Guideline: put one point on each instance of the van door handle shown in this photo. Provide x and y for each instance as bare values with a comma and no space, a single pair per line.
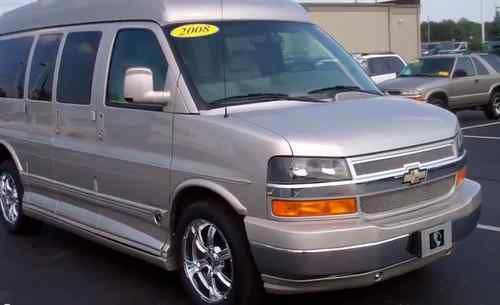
477,80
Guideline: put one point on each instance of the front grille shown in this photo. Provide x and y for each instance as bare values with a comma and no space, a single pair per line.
398,162
408,197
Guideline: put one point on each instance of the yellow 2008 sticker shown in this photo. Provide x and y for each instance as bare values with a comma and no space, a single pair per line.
194,30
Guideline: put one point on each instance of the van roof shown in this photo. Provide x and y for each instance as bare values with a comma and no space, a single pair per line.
53,13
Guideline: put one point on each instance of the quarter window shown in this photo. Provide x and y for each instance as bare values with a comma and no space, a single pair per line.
14,55
464,67
135,48
481,69
493,60
42,67
77,68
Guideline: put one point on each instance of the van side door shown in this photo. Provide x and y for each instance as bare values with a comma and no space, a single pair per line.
136,141
15,52
75,141
41,117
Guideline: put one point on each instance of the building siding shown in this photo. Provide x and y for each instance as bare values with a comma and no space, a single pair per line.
368,28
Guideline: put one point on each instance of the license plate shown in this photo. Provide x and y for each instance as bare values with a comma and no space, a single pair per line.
436,239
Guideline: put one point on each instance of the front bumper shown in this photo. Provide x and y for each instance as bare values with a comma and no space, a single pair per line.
298,257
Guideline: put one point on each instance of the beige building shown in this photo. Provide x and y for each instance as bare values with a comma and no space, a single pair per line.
366,26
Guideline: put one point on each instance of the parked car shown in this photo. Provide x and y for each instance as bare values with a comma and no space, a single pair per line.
453,48
431,48
455,82
233,141
381,66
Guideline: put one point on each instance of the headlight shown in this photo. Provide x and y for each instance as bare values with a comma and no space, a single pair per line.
411,93
459,142
290,170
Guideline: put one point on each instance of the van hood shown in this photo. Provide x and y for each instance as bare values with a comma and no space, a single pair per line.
355,127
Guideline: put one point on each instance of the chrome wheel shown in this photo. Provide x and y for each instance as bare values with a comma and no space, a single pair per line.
9,198
208,262
496,104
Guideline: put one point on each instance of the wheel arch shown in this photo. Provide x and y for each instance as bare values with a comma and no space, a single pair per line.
495,88
191,190
438,93
7,152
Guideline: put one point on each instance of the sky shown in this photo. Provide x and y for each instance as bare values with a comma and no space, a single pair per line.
436,10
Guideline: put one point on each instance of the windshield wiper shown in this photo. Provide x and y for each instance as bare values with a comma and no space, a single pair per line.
336,89
256,97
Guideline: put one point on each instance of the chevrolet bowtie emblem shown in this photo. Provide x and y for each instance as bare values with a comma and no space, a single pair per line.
415,176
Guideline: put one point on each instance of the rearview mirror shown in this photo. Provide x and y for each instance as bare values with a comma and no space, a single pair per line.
139,88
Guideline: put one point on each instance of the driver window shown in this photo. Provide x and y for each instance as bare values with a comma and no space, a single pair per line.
464,68
135,48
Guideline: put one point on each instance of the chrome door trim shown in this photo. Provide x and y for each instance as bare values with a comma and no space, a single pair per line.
155,256
98,199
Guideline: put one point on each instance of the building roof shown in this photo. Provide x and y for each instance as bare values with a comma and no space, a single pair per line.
51,13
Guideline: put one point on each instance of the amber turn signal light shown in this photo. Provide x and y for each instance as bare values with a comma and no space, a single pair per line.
460,177
314,208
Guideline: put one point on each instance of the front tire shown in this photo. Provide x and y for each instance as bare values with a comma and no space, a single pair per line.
216,265
438,102
11,202
492,110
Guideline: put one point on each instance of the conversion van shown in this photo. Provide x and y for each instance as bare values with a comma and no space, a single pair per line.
233,140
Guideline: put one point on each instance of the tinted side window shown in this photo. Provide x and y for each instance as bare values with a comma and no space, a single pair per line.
14,55
42,67
379,66
135,48
77,68
493,60
396,65
481,69
464,67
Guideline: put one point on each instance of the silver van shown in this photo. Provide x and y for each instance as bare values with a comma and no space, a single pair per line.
231,140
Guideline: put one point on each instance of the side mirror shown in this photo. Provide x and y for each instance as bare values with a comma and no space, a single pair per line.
459,74
139,88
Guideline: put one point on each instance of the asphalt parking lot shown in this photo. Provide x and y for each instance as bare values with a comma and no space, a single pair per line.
59,268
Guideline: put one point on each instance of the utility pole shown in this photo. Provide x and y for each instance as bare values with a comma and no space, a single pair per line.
483,29
428,29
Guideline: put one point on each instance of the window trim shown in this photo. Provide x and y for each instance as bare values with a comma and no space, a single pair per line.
130,106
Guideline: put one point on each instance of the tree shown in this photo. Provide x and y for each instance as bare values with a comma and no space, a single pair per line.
450,30
493,29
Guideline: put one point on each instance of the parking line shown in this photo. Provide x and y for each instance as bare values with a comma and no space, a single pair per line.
481,125
489,228
481,137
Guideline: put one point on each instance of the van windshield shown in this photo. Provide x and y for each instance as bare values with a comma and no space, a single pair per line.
263,58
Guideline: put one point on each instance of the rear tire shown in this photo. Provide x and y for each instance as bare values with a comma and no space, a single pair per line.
492,110
11,202
213,251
